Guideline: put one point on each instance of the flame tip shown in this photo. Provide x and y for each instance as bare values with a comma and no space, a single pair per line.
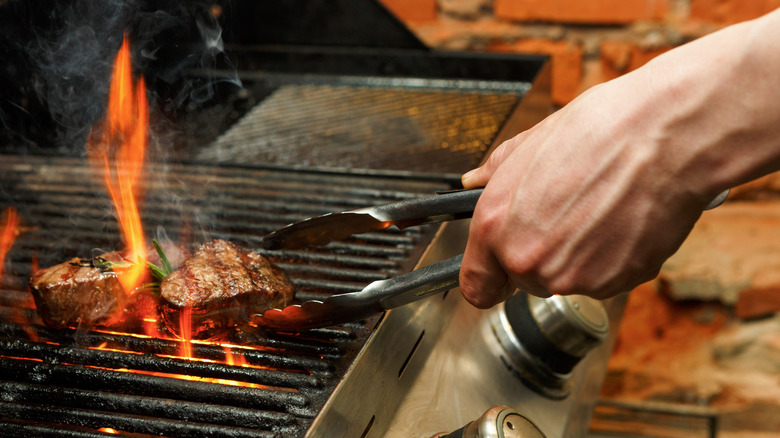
117,146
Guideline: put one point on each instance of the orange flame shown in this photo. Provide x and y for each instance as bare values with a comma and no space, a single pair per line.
233,357
119,145
8,235
185,328
150,327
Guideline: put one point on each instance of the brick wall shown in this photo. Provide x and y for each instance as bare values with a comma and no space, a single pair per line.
588,41
710,312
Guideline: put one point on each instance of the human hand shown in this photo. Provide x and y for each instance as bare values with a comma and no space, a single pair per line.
585,202
597,196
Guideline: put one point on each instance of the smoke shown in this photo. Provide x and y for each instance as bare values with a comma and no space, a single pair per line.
71,51
209,54
72,67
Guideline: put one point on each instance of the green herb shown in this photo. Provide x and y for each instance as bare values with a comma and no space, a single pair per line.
156,271
107,265
154,288
102,264
163,258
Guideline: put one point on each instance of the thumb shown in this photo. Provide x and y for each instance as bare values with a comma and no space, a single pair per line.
480,176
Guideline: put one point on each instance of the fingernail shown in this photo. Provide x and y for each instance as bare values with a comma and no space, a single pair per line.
468,174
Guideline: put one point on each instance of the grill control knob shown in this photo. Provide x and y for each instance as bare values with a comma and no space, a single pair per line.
498,422
544,339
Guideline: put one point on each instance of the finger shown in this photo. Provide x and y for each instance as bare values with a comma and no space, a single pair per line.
533,287
480,176
483,281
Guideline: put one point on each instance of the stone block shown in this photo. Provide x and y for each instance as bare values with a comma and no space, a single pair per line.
469,9
754,345
733,248
755,303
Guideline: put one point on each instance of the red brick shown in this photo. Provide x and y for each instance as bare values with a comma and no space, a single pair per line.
579,11
566,59
731,11
753,303
620,57
412,10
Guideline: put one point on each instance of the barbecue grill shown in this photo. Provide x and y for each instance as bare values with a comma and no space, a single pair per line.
339,107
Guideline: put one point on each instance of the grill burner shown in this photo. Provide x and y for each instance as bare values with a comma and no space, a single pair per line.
65,381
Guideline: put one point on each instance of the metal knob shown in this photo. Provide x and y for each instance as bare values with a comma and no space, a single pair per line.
544,339
498,422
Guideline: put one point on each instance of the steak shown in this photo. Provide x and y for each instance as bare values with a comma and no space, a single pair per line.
71,294
80,293
220,287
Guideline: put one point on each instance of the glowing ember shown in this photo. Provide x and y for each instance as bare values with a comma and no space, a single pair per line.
151,328
117,144
233,357
196,378
9,228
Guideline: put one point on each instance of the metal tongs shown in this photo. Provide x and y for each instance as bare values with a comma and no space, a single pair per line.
382,294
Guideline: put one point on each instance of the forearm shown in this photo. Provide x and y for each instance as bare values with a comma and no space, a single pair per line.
598,195
718,108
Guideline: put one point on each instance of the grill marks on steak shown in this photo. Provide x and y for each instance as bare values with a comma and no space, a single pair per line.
220,272
223,285
217,288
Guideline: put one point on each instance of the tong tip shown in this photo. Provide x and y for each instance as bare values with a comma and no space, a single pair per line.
295,317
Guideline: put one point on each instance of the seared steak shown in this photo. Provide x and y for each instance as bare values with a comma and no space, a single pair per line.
78,293
70,294
218,288
222,285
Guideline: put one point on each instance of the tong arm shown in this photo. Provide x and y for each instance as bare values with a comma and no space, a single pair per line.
374,298
446,206
457,204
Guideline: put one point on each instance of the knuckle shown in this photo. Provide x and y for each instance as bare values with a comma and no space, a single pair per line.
566,285
522,261
475,293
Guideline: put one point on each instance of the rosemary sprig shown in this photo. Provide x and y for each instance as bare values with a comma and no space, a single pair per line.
151,287
163,258
156,272
103,264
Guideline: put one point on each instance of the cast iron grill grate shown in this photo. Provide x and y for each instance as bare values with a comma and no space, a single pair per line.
99,382
346,126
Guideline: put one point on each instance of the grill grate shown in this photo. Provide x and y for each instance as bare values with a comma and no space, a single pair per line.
99,382
372,127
